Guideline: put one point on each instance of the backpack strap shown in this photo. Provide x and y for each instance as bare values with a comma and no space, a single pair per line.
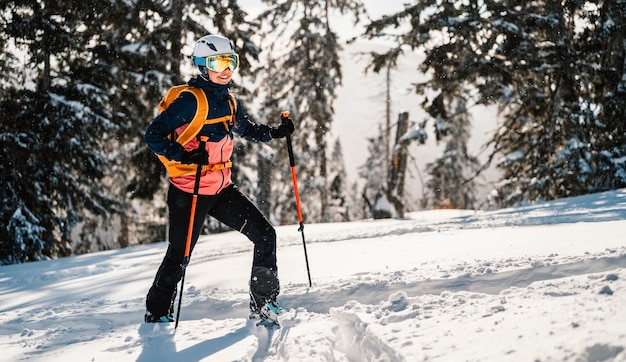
227,120
198,120
175,168
213,167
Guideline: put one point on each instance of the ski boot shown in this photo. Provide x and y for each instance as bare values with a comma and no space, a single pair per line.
267,315
264,288
151,318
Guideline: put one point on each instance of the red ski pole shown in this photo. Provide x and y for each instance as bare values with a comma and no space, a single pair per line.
192,216
292,163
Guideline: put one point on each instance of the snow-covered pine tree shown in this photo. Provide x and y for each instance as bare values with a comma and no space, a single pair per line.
451,184
605,39
373,172
554,70
554,138
451,171
340,203
302,73
55,120
81,84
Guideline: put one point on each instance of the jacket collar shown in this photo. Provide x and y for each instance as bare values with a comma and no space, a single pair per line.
209,87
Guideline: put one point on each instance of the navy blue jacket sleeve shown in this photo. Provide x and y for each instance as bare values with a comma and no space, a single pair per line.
180,111
250,130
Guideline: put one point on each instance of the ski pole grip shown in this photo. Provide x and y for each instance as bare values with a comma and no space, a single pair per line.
283,116
203,141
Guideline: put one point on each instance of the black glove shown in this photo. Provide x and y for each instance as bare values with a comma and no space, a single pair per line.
285,128
199,156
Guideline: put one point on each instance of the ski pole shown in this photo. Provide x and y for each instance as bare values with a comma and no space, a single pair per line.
194,200
292,163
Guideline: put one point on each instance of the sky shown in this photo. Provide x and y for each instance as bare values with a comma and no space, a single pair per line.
542,282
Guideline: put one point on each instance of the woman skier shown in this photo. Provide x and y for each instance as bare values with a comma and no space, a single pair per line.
217,196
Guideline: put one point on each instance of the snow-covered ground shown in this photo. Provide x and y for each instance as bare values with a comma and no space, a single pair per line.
545,282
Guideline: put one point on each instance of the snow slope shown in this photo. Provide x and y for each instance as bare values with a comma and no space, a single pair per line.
544,282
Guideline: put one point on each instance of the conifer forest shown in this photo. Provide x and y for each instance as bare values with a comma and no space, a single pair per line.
81,81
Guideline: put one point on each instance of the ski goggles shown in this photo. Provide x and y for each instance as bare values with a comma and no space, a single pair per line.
217,63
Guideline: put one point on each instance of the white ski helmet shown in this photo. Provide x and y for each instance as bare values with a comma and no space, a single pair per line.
212,45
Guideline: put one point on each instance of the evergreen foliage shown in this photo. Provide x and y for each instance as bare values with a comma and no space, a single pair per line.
302,78
83,84
55,121
554,69
373,172
451,183
340,198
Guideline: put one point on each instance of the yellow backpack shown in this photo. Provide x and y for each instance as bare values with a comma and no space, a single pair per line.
175,168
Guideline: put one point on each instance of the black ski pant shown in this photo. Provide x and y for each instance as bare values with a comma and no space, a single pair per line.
232,208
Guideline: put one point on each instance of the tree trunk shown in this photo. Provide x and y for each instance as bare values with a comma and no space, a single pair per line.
395,189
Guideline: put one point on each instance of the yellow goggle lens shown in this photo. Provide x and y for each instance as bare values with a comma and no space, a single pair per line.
218,63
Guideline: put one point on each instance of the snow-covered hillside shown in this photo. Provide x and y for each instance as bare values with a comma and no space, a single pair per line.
545,282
